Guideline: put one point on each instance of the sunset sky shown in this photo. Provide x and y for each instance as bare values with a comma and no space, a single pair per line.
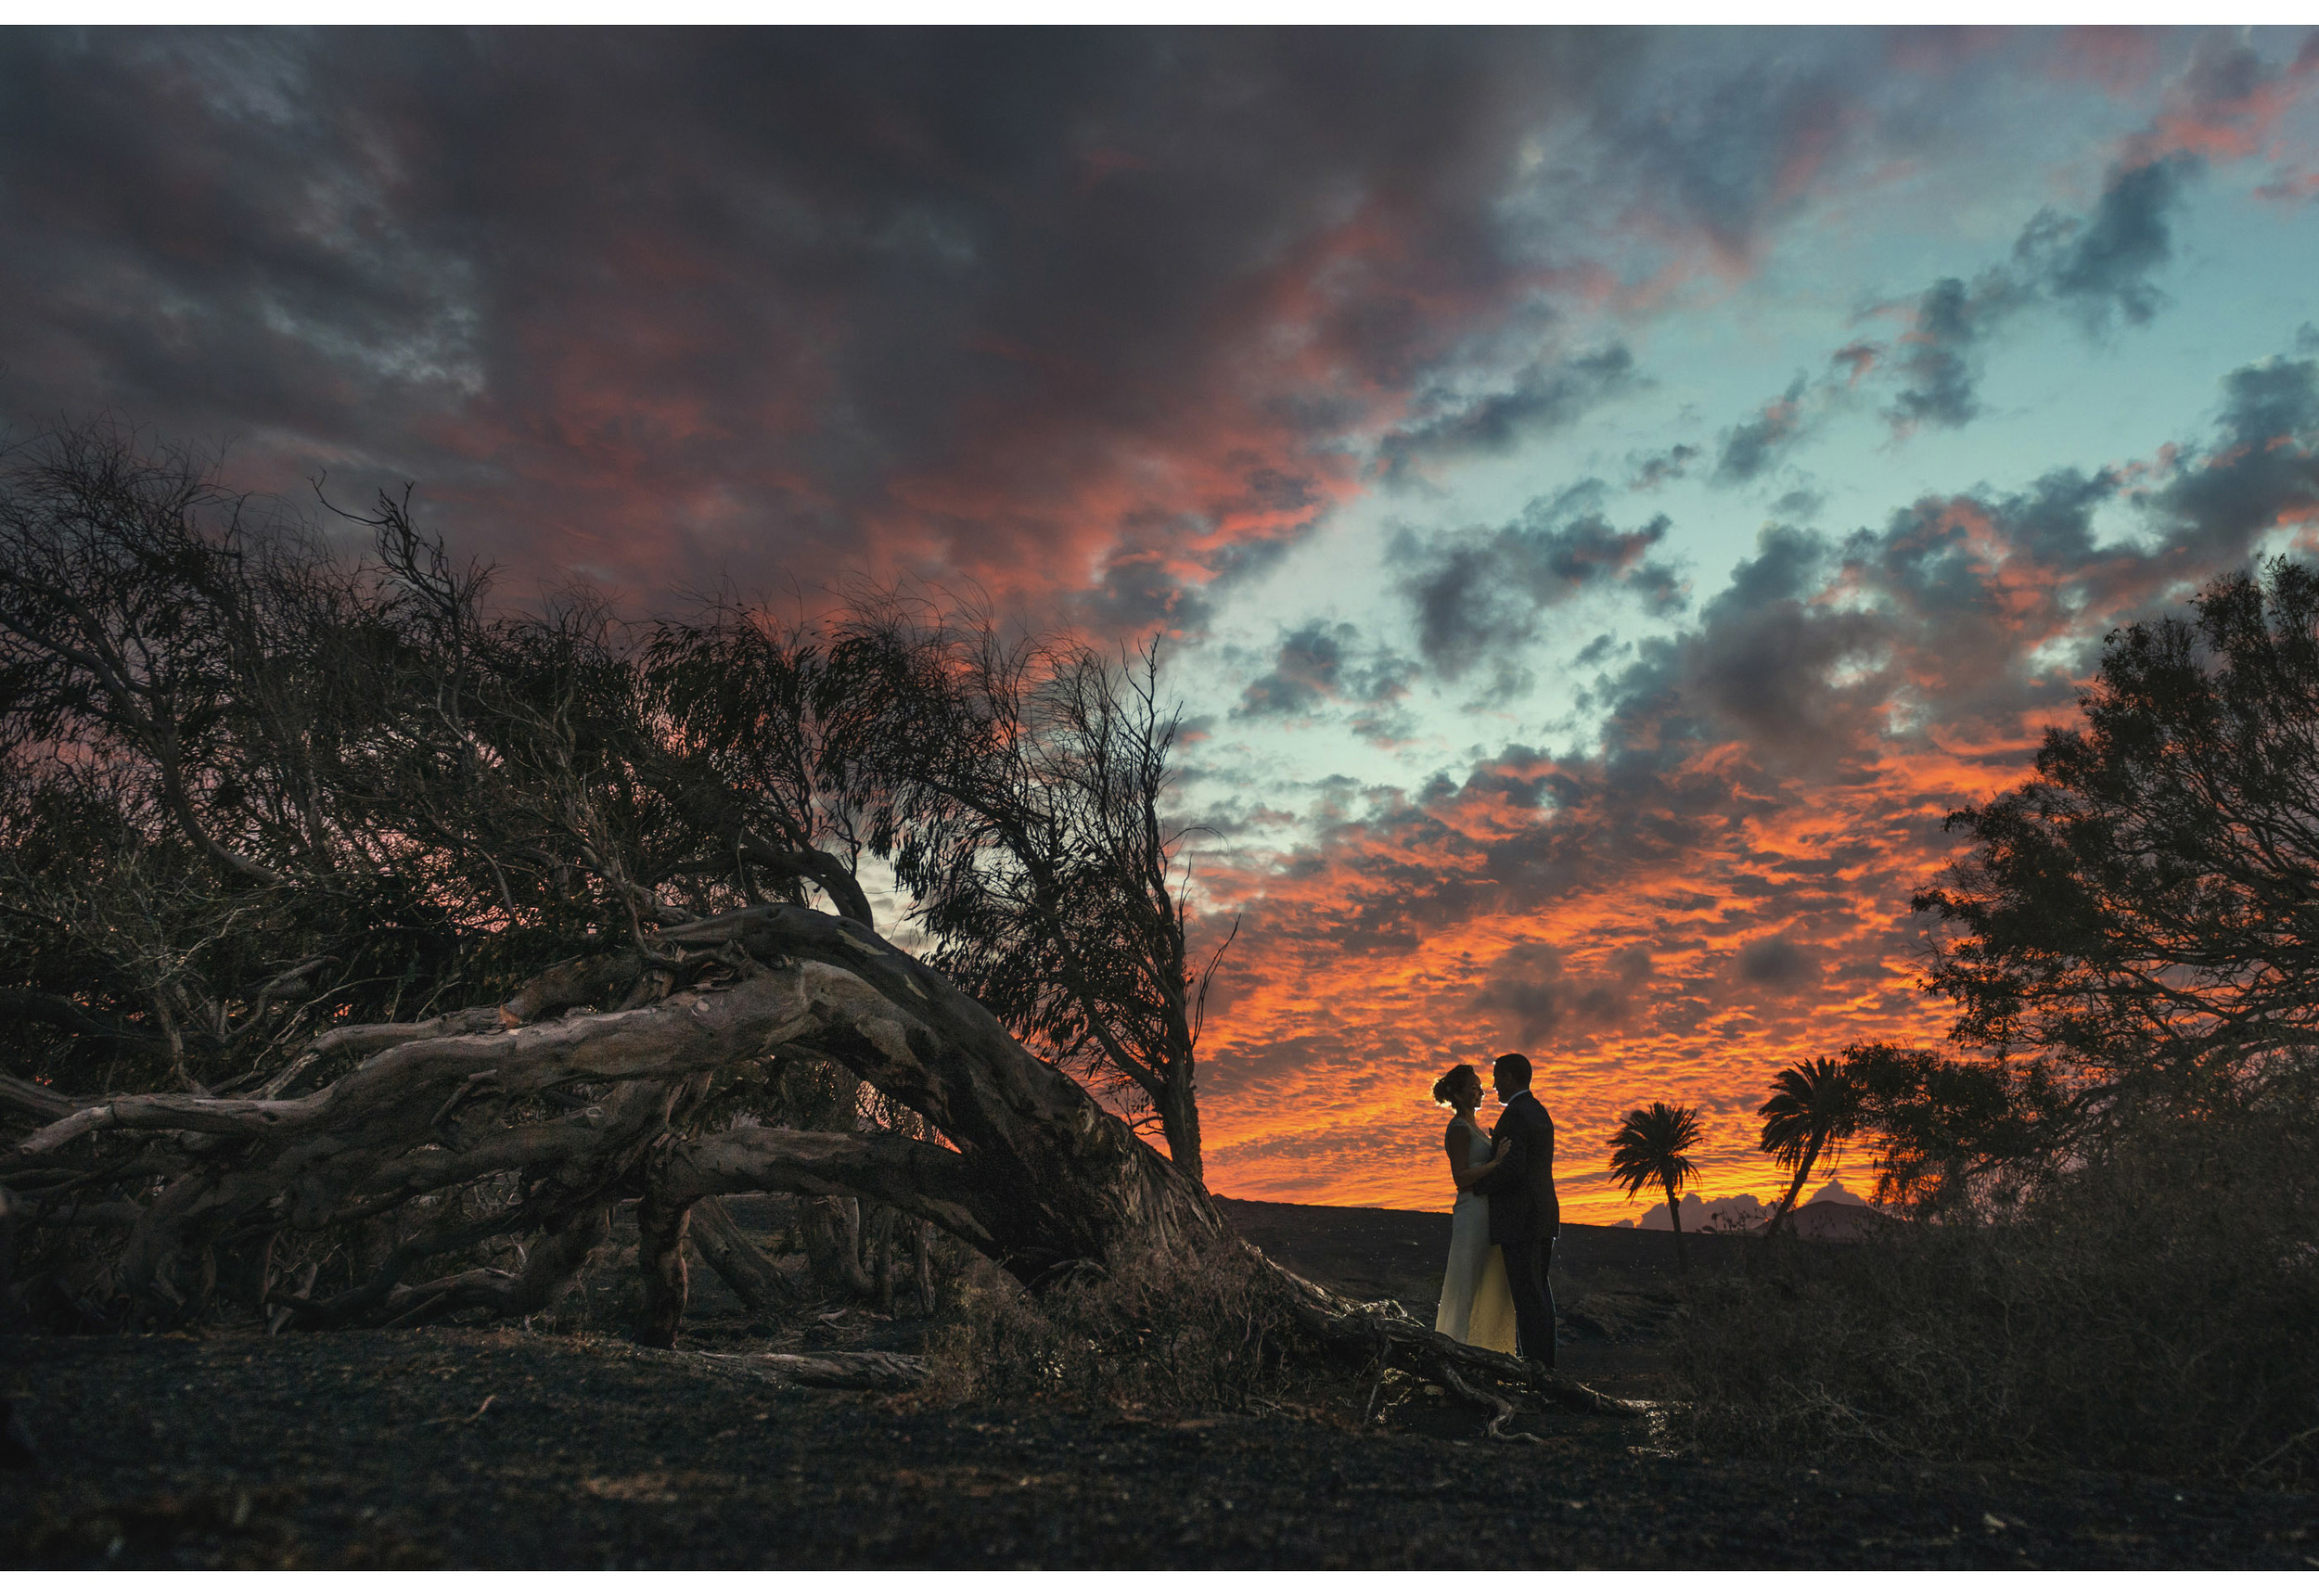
1608,495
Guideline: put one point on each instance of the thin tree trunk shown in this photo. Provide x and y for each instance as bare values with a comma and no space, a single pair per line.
922,1248
660,1227
832,1231
744,1268
877,1232
1674,1217
1179,1122
1803,1172
7,1260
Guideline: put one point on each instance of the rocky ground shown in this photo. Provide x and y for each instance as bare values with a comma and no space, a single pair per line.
501,1448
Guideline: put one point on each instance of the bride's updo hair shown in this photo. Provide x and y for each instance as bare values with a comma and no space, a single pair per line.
1441,1087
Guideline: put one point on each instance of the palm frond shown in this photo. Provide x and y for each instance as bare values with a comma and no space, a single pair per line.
1649,1147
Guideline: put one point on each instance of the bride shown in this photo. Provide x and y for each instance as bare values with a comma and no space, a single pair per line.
1476,1306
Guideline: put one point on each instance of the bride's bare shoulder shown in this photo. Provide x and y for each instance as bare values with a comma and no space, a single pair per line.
1457,1135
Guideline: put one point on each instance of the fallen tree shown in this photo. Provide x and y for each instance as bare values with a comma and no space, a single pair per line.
364,949
497,1123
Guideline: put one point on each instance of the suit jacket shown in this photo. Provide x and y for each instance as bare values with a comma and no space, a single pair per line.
1522,1205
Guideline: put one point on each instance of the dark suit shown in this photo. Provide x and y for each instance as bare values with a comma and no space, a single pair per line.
1525,1216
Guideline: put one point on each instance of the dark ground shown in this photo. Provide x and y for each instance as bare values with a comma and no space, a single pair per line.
501,1448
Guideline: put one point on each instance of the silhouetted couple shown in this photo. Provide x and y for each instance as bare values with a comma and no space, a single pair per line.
1494,1292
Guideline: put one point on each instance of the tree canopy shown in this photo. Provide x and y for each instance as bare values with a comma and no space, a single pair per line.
2138,920
249,784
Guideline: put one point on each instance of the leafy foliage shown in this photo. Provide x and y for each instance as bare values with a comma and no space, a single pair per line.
2143,915
1029,782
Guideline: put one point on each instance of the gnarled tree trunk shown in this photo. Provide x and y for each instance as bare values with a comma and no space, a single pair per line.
577,1110
569,1112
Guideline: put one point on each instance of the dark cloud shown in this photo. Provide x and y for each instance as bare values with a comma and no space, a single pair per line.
2227,100
1597,649
1322,662
2261,472
1309,669
1668,466
658,304
1138,591
2224,73
2052,521
1481,592
1543,398
1788,565
1938,360
1528,985
1789,674
1754,446
1777,962
1857,359
1727,147
2101,269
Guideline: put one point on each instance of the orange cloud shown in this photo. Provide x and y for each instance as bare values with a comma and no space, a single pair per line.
1724,887
1691,973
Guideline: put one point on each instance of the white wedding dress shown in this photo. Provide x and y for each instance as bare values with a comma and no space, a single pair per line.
1476,1307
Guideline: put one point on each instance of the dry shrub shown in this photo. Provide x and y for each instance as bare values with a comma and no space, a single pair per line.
2150,1310
1204,1331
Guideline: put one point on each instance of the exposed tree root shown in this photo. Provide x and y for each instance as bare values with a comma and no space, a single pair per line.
1384,1332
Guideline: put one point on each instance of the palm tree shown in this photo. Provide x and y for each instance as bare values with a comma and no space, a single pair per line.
1814,1107
1648,1148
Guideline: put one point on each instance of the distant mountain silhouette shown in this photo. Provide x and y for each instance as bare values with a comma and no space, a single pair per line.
1835,1214
1744,1210
1830,1214
1834,1193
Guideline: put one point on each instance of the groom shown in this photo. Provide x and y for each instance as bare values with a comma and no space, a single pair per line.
1524,1215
